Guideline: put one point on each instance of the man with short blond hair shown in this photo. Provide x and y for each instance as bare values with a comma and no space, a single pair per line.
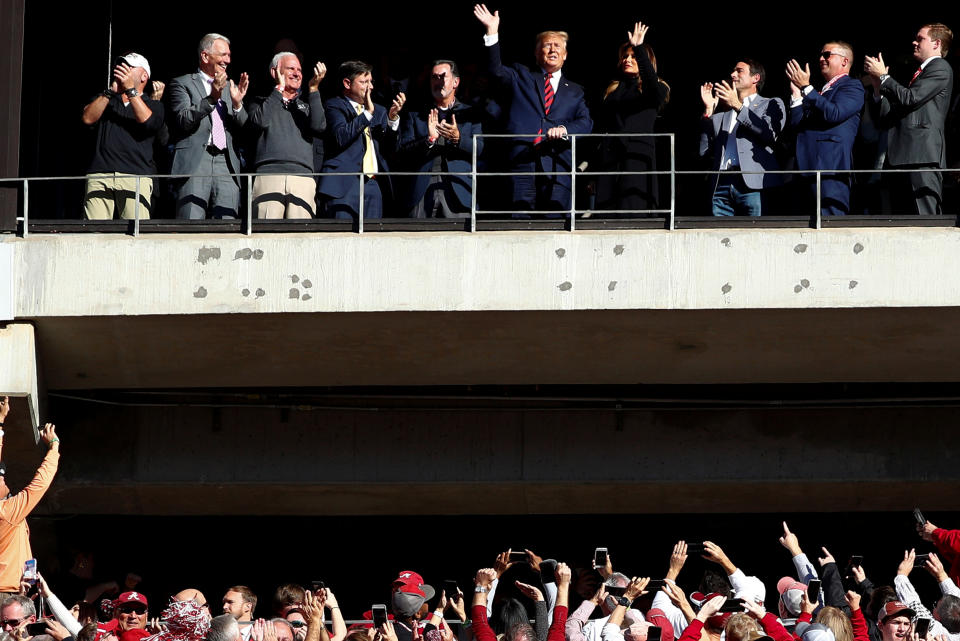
544,110
826,123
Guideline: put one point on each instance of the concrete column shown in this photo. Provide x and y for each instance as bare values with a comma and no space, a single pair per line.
19,374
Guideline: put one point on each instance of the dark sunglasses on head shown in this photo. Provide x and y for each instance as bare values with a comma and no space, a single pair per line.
134,609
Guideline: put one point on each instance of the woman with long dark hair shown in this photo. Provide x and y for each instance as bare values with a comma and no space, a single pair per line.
631,105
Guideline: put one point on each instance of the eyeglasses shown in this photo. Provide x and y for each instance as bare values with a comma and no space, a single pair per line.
826,54
13,623
134,609
297,624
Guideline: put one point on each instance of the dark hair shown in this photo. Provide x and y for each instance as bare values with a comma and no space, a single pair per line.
714,581
879,598
87,612
88,632
756,69
285,595
353,68
948,613
508,614
626,46
454,69
521,632
941,32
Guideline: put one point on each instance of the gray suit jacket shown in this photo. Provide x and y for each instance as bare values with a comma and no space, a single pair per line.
758,127
190,123
916,115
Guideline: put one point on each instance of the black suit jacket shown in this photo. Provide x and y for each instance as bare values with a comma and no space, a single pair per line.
916,116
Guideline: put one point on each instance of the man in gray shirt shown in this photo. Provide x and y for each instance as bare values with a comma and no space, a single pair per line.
287,125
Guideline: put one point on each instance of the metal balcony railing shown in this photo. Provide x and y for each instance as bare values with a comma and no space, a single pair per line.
571,215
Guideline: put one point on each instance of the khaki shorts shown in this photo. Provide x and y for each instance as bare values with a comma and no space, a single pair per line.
115,192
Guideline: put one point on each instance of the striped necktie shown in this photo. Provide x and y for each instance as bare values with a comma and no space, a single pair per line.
547,103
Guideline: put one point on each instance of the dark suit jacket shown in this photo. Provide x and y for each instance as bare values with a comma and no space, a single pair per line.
758,127
526,106
419,155
344,146
916,116
827,124
190,124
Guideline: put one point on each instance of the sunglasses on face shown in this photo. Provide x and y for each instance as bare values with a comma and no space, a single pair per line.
13,623
136,609
826,54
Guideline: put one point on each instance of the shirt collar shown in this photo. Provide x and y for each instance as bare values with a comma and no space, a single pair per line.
556,74
923,65
207,79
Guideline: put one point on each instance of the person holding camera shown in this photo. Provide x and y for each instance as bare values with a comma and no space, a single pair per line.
14,508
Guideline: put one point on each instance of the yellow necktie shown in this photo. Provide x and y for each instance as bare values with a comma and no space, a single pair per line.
369,160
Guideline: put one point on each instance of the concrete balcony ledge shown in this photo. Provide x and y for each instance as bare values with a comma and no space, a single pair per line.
93,275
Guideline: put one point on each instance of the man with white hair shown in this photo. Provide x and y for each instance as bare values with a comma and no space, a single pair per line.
287,125
207,112
126,124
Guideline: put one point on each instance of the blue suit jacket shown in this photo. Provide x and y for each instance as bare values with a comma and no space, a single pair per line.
344,146
758,127
827,125
526,106
419,155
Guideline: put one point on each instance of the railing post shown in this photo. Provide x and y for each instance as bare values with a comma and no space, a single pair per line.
136,209
673,183
573,182
818,218
26,208
360,207
473,183
249,230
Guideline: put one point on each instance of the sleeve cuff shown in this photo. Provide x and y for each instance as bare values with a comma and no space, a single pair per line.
489,41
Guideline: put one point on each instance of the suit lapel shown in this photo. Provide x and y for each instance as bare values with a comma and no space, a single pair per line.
538,87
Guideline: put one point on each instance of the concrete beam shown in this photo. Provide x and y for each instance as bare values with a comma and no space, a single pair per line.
501,348
103,275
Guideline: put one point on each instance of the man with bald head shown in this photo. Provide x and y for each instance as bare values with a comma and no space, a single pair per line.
826,122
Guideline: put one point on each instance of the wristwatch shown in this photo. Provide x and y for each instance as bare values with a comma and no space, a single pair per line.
132,93
624,601
480,589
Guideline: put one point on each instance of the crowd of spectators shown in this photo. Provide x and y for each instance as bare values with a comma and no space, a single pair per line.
524,597
204,127
520,597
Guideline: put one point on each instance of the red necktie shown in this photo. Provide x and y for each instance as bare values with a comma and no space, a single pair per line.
916,73
547,103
